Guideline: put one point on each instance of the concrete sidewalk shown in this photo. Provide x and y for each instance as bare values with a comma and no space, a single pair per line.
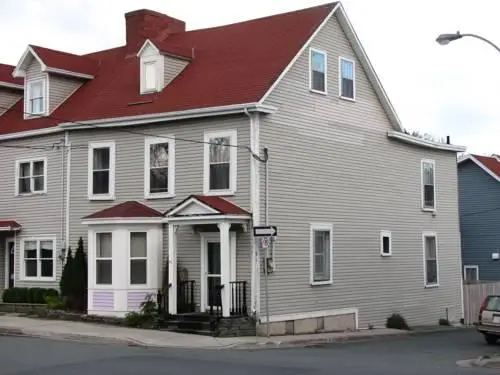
97,333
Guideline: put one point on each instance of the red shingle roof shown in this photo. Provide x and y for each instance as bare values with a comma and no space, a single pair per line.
130,209
233,64
222,205
490,163
67,61
6,75
9,225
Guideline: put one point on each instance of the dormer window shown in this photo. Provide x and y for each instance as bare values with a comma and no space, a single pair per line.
36,98
150,74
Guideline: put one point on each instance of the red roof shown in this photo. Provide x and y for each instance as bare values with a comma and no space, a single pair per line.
222,205
67,61
232,64
490,162
125,210
9,225
6,75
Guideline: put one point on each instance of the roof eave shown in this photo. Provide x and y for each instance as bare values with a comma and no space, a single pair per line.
480,165
20,69
11,85
68,73
122,220
406,138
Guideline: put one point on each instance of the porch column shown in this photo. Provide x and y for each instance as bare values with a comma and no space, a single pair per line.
225,267
172,269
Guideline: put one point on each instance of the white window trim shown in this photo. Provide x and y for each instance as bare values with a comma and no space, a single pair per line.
159,64
171,166
233,166
385,233
96,258
90,166
130,258
322,227
424,236
472,267
433,162
353,99
39,239
31,160
324,53
45,90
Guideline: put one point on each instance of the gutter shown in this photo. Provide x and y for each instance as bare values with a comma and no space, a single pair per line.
406,138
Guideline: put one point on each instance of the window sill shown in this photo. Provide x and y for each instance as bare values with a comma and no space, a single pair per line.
35,193
431,210
431,286
385,255
324,93
160,196
319,283
220,193
347,98
38,279
101,197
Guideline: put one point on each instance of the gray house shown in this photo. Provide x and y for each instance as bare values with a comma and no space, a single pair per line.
167,152
479,192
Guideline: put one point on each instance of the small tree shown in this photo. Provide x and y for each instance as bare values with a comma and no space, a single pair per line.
66,279
79,278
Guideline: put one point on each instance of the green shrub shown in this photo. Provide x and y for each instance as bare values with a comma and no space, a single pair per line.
444,322
134,319
28,295
147,317
55,303
396,321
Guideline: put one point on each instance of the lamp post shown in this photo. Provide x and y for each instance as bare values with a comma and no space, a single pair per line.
444,39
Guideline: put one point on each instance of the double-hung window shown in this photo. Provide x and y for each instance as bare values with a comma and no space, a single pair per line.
431,265
220,163
318,71
103,258
101,173
159,171
31,176
347,84
36,99
138,258
321,250
38,261
428,185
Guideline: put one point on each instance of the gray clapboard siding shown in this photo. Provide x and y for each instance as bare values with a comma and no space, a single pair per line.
60,89
173,67
188,179
39,214
479,219
331,162
8,98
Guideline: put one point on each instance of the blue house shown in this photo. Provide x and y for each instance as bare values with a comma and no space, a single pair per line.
479,202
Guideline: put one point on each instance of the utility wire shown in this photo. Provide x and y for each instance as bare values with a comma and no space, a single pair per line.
255,156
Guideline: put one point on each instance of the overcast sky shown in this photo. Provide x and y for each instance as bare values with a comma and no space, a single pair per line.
452,90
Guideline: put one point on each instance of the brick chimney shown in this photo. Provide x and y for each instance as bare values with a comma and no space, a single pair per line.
147,24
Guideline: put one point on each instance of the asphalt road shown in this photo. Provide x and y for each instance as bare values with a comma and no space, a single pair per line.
434,354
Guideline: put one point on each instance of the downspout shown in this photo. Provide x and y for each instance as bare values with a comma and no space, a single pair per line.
63,145
67,146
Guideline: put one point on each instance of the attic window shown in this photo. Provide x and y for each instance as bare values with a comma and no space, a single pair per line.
149,76
36,101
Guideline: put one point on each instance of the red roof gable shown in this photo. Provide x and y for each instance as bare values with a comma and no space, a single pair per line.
232,64
489,162
130,209
6,75
67,61
222,205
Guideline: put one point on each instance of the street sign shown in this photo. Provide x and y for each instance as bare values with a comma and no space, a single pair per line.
269,231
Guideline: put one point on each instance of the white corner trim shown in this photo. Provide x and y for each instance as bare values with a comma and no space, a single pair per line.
325,57
385,233
353,62
424,143
312,315
297,56
426,234
148,142
233,162
11,85
112,168
480,165
320,227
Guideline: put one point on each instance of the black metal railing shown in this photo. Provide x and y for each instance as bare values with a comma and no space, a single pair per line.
215,300
185,297
238,298
162,301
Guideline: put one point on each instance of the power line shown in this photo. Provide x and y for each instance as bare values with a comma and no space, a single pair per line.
247,148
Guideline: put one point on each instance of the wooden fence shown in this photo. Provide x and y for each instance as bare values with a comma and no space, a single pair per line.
474,294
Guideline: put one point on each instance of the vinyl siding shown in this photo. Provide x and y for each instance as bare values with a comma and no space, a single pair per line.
479,219
173,67
331,162
129,181
39,214
60,89
8,98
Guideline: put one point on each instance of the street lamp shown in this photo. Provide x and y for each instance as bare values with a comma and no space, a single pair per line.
444,39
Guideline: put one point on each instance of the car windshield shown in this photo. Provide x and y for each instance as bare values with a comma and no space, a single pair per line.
493,303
